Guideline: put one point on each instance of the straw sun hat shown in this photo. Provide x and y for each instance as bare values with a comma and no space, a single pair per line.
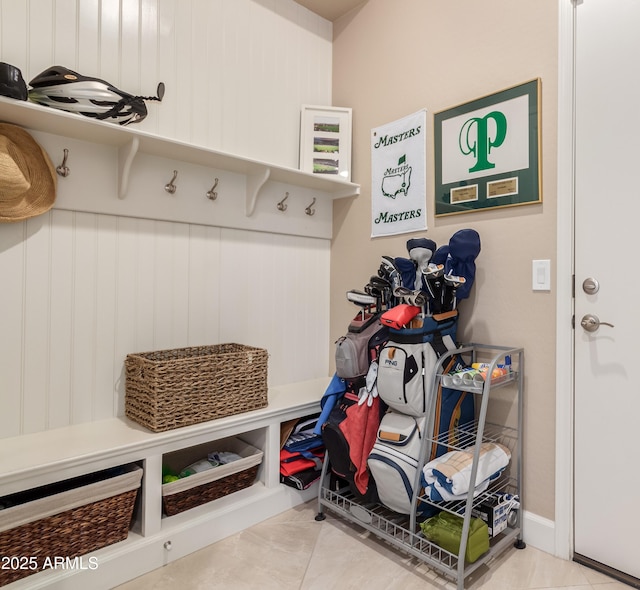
27,176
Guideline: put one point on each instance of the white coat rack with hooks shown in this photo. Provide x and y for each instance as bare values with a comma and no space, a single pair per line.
134,150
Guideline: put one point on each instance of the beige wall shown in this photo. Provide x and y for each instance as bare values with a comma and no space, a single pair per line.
394,58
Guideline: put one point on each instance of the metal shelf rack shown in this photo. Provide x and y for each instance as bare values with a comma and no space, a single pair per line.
403,531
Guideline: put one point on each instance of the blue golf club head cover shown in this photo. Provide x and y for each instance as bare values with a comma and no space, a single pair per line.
464,247
407,269
440,255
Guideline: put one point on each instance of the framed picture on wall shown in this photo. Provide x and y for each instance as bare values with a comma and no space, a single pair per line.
325,141
487,152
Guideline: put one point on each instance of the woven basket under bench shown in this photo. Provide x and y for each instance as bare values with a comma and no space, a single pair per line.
214,483
169,389
65,520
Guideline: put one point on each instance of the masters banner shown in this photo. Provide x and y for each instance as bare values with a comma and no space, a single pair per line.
398,176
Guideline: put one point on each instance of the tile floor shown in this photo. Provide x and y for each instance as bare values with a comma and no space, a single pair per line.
294,552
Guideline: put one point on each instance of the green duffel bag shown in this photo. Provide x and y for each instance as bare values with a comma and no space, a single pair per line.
445,530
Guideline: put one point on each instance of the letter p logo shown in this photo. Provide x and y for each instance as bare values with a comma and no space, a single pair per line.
479,135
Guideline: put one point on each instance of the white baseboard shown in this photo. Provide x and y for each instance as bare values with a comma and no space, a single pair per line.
539,532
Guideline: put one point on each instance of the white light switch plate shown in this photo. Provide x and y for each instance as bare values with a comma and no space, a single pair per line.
541,275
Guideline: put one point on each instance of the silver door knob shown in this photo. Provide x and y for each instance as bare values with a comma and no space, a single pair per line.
592,322
590,286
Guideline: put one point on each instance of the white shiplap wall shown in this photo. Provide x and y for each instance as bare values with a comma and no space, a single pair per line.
81,290
236,71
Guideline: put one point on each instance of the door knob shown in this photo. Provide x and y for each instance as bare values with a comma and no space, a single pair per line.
592,322
590,286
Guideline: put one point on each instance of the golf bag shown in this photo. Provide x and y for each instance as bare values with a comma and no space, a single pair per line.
358,348
454,409
394,457
407,360
393,461
348,435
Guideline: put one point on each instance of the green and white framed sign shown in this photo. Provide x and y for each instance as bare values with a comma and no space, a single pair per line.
487,152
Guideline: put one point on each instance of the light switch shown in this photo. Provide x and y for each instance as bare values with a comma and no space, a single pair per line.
541,280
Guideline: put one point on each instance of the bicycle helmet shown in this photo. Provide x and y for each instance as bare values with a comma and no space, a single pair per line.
64,89
11,82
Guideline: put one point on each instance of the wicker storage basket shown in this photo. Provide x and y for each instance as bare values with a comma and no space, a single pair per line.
168,389
77,517
214,483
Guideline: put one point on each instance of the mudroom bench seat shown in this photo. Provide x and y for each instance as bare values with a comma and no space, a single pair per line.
33,460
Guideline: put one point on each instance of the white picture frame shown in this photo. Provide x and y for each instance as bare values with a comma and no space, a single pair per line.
325,141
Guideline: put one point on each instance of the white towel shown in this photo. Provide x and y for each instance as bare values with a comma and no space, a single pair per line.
452,471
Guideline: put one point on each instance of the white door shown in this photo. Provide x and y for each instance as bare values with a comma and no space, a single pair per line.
607,249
